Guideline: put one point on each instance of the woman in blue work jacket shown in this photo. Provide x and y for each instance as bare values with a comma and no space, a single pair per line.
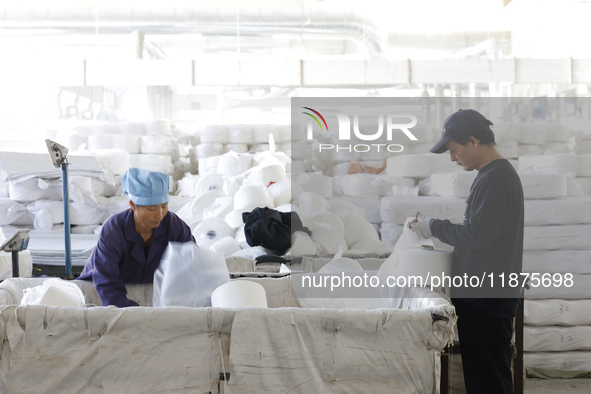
132,242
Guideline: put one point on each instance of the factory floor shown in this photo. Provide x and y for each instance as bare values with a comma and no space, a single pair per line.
553,386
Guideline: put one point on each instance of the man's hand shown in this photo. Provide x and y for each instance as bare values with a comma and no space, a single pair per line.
421,225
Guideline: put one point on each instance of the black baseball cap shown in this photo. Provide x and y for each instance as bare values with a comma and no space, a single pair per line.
463,122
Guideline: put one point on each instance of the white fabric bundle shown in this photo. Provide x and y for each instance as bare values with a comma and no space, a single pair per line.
132,144
556,339
208,165
152,162
260,134
372,185
585,185
100,141
213,134
506,131
137,128
370,206
329,240
46,213
577,289
558,211
83,214
209,183
550,164
32,189
114,160
396,209
240,238
259,148
359,229
114,204
562,361
232,163
234,218
317,183
371,246
10,211
443,163
158,144
309,203
538,186
554,148
556,132
557,312
253,195
241,135
563,261
267,174
453,184
327,218
192,212
238,148
530,150
219,208
208,149
187,185
390,232
281,192
158,127
410,166
251,252
572,236
584,165
508,149
533,134
303,245
226,245
582,148
211,230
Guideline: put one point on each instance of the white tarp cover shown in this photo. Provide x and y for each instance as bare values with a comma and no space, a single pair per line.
181,349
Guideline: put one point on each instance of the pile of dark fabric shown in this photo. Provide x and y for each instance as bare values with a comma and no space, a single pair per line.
271,229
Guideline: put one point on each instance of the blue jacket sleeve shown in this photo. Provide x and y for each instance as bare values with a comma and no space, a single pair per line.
487,217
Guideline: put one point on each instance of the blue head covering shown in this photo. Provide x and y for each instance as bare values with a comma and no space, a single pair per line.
145,187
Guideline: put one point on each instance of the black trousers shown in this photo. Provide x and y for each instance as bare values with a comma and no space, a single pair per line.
485,344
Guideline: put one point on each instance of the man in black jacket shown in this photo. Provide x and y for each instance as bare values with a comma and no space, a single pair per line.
488,244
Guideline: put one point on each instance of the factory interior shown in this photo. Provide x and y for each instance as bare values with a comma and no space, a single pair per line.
237,140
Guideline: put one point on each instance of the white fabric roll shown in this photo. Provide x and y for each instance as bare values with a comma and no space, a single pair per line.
508,149
550,164
211,230
260,134
454,184
214,134
390,232
29,190
187,185
232,163
556,132
506,131
301,150
268,174
562,361
424,263
259,148
537,186
159,163
554,148
345,209
234,218
159,144
359,230
309,203
192,212
584,165
303,245
134,128
219,208
396,209
582,148
226,245
240,237
533,134
317,183
115,160
562,261
281,192
208,149
443,163
572,236
558,211
209,183
239,294
329,240
10,211
100,141
82,214
130,143
158,127
327,218
253,195
557,312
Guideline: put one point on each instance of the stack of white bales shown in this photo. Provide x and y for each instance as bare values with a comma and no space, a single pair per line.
557,257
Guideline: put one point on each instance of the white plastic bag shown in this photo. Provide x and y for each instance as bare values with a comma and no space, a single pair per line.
188,275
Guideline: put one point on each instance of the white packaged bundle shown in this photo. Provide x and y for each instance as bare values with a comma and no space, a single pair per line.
233,163
390,232
572,236
209,183
303,245
253,195
83,214
129,143
159,163
562,261
135,128
211,230
234,218
32,189
396,209
558,211
46,213
554,148
538,186
308,203
443,163
582,148
369,205
359,230
585,185
560,361
329,240
557,312
219,208
577,287
530,150
10,211
114,160
268,174
238,148
281,192
208,165
158,144
226,245
533,134
552,339
158,127
454,184
556,132
251,252
505,131
240,134
209,149
327,218
508,149
584,165
550,164
410,166
260,134
317,183
100,141
186,185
